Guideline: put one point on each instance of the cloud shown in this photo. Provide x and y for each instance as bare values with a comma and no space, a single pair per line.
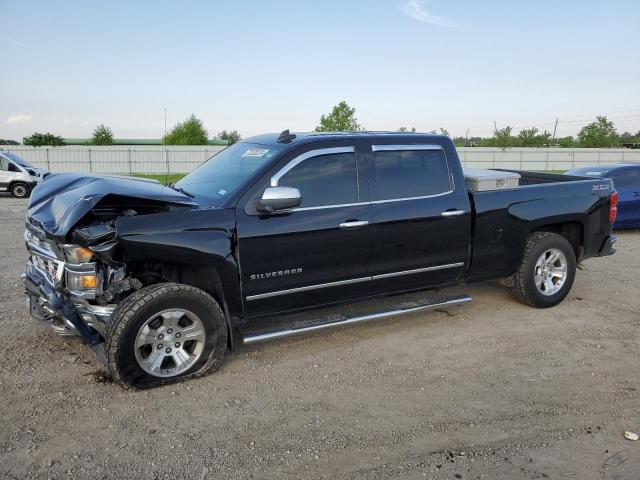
20,118
415,9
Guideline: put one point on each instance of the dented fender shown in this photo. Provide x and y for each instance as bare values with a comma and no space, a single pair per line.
202,239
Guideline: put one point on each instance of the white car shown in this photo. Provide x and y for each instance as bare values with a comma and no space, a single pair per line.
17,175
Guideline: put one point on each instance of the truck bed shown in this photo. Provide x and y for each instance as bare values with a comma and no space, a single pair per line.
503,218
538,178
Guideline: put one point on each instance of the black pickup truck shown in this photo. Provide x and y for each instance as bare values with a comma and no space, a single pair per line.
291,233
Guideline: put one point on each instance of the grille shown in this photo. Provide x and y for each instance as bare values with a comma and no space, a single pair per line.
44,258
51,268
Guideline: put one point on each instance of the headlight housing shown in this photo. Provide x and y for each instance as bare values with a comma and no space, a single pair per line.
81,280
77,254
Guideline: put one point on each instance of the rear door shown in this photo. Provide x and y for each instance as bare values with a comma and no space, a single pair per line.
421,219
317,253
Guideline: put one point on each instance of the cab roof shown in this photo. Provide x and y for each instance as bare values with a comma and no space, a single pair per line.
286,139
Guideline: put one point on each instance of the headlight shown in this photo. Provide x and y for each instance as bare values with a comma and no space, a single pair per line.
81,281
75,254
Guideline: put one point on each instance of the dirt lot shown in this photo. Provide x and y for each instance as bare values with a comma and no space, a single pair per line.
489,390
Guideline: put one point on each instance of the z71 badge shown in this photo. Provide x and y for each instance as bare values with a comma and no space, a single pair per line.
600,186
278,273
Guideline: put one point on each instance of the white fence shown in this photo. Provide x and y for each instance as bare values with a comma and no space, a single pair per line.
174,159
148,159
544,158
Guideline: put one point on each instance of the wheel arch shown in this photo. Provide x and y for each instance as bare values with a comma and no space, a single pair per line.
206,277
572,230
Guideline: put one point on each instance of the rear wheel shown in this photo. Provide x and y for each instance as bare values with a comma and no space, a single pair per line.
163,333
19,190
547,271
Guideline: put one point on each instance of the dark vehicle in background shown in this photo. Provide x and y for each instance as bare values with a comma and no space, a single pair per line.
284,234
17,176
626,180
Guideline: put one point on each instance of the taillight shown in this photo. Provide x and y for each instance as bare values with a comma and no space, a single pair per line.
613,207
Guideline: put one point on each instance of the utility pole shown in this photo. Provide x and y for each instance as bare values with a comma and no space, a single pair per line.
495,127
166,155
554,132
466,138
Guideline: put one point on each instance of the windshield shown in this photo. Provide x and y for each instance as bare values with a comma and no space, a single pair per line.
223,173
17,159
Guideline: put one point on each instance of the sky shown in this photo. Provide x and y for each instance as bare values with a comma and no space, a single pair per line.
265,66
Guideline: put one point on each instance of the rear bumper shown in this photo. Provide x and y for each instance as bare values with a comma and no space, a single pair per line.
608,246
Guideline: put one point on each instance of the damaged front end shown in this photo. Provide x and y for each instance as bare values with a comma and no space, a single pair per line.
64,292
75,274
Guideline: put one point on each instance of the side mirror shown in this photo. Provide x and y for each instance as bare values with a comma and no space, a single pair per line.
279,198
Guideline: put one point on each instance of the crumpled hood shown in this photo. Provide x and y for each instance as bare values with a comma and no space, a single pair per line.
61,200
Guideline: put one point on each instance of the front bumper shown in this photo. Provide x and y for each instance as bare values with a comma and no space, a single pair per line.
50,304
608,246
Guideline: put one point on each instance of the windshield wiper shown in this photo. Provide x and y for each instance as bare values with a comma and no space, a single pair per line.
180,189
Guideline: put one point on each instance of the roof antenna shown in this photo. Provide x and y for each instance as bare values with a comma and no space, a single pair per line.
286,136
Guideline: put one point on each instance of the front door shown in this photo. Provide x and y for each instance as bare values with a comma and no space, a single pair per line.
317,253
421,219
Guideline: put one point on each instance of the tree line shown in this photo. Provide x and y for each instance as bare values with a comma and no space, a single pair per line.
600,133
189,132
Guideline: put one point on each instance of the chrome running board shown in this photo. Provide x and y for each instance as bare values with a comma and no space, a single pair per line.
402,310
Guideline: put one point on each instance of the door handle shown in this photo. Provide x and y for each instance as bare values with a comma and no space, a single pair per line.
354,224
453,213
636,194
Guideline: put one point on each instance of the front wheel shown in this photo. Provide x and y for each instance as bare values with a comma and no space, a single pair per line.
19,190
547,271
163,333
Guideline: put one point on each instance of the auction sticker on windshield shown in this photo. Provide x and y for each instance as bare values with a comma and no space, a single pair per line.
256,152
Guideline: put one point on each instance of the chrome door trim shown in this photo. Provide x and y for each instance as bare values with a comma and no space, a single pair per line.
376,202
350,281
306,155
417,270
322,207
387,148
307,288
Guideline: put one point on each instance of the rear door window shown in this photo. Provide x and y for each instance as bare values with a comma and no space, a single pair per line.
404,174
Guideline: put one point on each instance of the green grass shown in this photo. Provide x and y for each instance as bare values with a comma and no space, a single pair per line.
164,179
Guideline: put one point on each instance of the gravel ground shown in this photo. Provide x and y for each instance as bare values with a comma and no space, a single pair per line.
490,390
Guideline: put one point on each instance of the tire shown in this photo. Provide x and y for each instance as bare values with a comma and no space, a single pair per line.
527,287
20,190
140,332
